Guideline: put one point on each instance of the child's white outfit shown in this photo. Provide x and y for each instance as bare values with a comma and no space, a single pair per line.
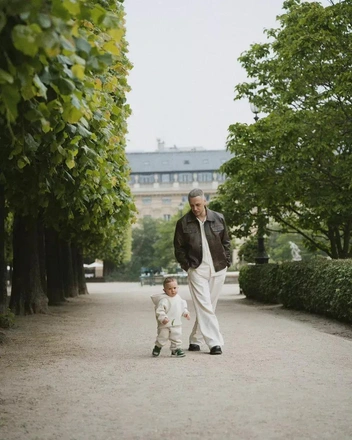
173,308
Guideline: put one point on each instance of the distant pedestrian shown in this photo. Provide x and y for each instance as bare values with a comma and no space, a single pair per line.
169,309
202,247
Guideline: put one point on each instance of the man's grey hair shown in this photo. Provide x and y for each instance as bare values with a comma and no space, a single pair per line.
195,193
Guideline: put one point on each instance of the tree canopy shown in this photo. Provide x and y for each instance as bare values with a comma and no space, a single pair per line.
294,163
63,120
63,115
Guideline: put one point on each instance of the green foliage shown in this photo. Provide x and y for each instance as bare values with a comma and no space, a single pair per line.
122,273
7,320
152,247
320,286
144,235
295,162
143,239
63,117
277,245
259,282
317,286
8,237
164,246
115,249
248,250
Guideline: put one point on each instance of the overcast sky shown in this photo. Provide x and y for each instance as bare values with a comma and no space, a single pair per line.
185,55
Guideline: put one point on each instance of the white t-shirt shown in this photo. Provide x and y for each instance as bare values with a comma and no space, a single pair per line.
206,268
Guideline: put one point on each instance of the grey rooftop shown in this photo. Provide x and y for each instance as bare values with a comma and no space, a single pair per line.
177,161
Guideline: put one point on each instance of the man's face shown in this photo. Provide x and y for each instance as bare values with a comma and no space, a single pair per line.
171,288
197,205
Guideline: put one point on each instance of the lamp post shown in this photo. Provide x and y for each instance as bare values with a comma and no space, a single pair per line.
262,256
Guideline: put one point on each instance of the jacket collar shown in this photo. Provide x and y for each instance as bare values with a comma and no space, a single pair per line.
190,217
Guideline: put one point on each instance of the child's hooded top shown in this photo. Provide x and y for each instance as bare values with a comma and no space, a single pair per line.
172,307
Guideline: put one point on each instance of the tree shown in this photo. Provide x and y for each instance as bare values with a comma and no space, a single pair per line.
62,126
143,256
248,250
143,238
164,246
294,163
279,246
3,271
152,247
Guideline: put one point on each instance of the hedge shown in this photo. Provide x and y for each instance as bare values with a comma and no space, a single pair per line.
259,282
318,286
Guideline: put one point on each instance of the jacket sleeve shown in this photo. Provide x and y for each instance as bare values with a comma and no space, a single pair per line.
226,244
180,247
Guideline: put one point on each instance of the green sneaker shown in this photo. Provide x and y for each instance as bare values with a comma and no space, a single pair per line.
178,353
156,351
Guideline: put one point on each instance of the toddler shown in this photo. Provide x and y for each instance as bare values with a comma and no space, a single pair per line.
169,308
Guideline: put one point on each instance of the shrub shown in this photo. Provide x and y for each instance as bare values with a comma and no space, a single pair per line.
7,319
259,282
317,286
323,287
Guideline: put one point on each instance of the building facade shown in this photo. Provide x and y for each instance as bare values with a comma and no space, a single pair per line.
160,181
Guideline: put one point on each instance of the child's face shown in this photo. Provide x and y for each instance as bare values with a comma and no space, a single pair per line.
171,288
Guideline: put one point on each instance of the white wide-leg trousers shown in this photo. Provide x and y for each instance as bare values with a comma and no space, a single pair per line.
172,334
205,292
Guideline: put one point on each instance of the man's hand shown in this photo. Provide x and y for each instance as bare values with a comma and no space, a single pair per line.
166,320
187,316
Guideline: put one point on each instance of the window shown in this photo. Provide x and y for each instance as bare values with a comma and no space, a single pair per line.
205,177
167,217
133,179
221,177
166,201
185,178
146,179
186,162
165,178
146,200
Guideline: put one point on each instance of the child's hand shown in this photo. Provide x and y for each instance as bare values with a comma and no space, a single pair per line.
188,316
166,320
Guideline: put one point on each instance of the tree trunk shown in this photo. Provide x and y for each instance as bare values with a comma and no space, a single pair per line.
41,254
27,295
75,269
3,270
82,286
55,285
67,270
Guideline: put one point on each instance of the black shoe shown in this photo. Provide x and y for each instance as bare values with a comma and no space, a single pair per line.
216,350
156,351
194,347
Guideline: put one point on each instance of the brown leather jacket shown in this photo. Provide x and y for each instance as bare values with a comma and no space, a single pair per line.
188,241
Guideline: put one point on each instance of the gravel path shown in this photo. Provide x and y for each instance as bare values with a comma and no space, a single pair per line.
86,373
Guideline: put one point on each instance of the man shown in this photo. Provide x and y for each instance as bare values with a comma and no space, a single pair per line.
202,247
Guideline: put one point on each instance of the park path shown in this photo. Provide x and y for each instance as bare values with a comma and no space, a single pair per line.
85,372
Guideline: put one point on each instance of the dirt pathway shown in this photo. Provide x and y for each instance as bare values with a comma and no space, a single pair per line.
86,373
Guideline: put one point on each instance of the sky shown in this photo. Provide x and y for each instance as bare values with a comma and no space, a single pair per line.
185,57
